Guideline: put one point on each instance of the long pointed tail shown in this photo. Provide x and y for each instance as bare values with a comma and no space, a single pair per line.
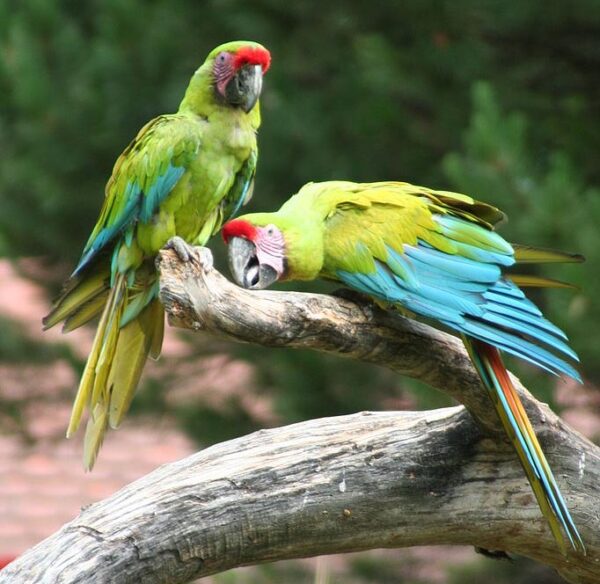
489,365
114,366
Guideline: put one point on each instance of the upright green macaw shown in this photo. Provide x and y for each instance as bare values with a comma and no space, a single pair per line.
183,175
434,254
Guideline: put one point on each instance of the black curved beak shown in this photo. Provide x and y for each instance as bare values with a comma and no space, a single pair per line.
247,271
245,86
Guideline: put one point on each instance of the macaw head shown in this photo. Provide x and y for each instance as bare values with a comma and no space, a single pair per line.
237,72
231,75
257,251
268,247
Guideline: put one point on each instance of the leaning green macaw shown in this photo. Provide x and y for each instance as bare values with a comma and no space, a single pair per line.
434,254
183,175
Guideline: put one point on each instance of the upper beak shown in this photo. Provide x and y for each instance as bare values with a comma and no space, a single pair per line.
247,271
245,87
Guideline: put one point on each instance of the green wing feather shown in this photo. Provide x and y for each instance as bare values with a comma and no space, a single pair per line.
122,286
77,293
238,195
242,189
399,214
144,174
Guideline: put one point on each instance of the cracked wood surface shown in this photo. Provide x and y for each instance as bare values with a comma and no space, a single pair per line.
348,483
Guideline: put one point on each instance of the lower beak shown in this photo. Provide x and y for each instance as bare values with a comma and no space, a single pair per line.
245,268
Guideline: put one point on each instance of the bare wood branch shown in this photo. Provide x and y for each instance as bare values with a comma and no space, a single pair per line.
198,297
369,480
331,485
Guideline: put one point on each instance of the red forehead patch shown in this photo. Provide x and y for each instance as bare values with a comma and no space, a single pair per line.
252,56
238,228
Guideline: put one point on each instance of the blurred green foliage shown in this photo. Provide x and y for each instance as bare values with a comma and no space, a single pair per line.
549,202
498,100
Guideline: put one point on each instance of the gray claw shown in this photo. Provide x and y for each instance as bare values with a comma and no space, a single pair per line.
204,258
201,257
181,248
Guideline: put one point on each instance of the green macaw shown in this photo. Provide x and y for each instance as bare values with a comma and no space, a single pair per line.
183,175
432,254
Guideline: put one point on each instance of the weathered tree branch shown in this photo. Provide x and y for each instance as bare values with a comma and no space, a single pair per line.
330,485
198,297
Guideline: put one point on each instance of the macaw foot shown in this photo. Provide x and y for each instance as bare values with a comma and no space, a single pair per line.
184,251
200,256
204,258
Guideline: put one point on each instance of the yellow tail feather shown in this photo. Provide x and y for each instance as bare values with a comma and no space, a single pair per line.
109,344
86,312
136,339
116,360
76,294
529,281
86,385
536,255
158,333
94,434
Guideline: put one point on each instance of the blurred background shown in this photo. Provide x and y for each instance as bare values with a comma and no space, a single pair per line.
498,100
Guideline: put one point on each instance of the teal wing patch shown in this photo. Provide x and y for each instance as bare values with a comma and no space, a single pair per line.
143,176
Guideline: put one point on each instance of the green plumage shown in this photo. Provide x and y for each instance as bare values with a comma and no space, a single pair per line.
183,175
324,221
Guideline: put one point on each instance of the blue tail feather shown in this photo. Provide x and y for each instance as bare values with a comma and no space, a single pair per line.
470,296
518,347
526,317
532,461
532,332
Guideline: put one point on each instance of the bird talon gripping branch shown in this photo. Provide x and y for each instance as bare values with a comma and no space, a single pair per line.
204,259
184,251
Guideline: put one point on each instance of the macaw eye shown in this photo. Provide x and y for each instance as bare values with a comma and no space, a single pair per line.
223,59
222,69
270,230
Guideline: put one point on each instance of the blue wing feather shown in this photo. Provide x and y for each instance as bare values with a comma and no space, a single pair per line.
452,265
140,206
156,192
527,317
518,346
461,285
469,296
93,246
512,302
